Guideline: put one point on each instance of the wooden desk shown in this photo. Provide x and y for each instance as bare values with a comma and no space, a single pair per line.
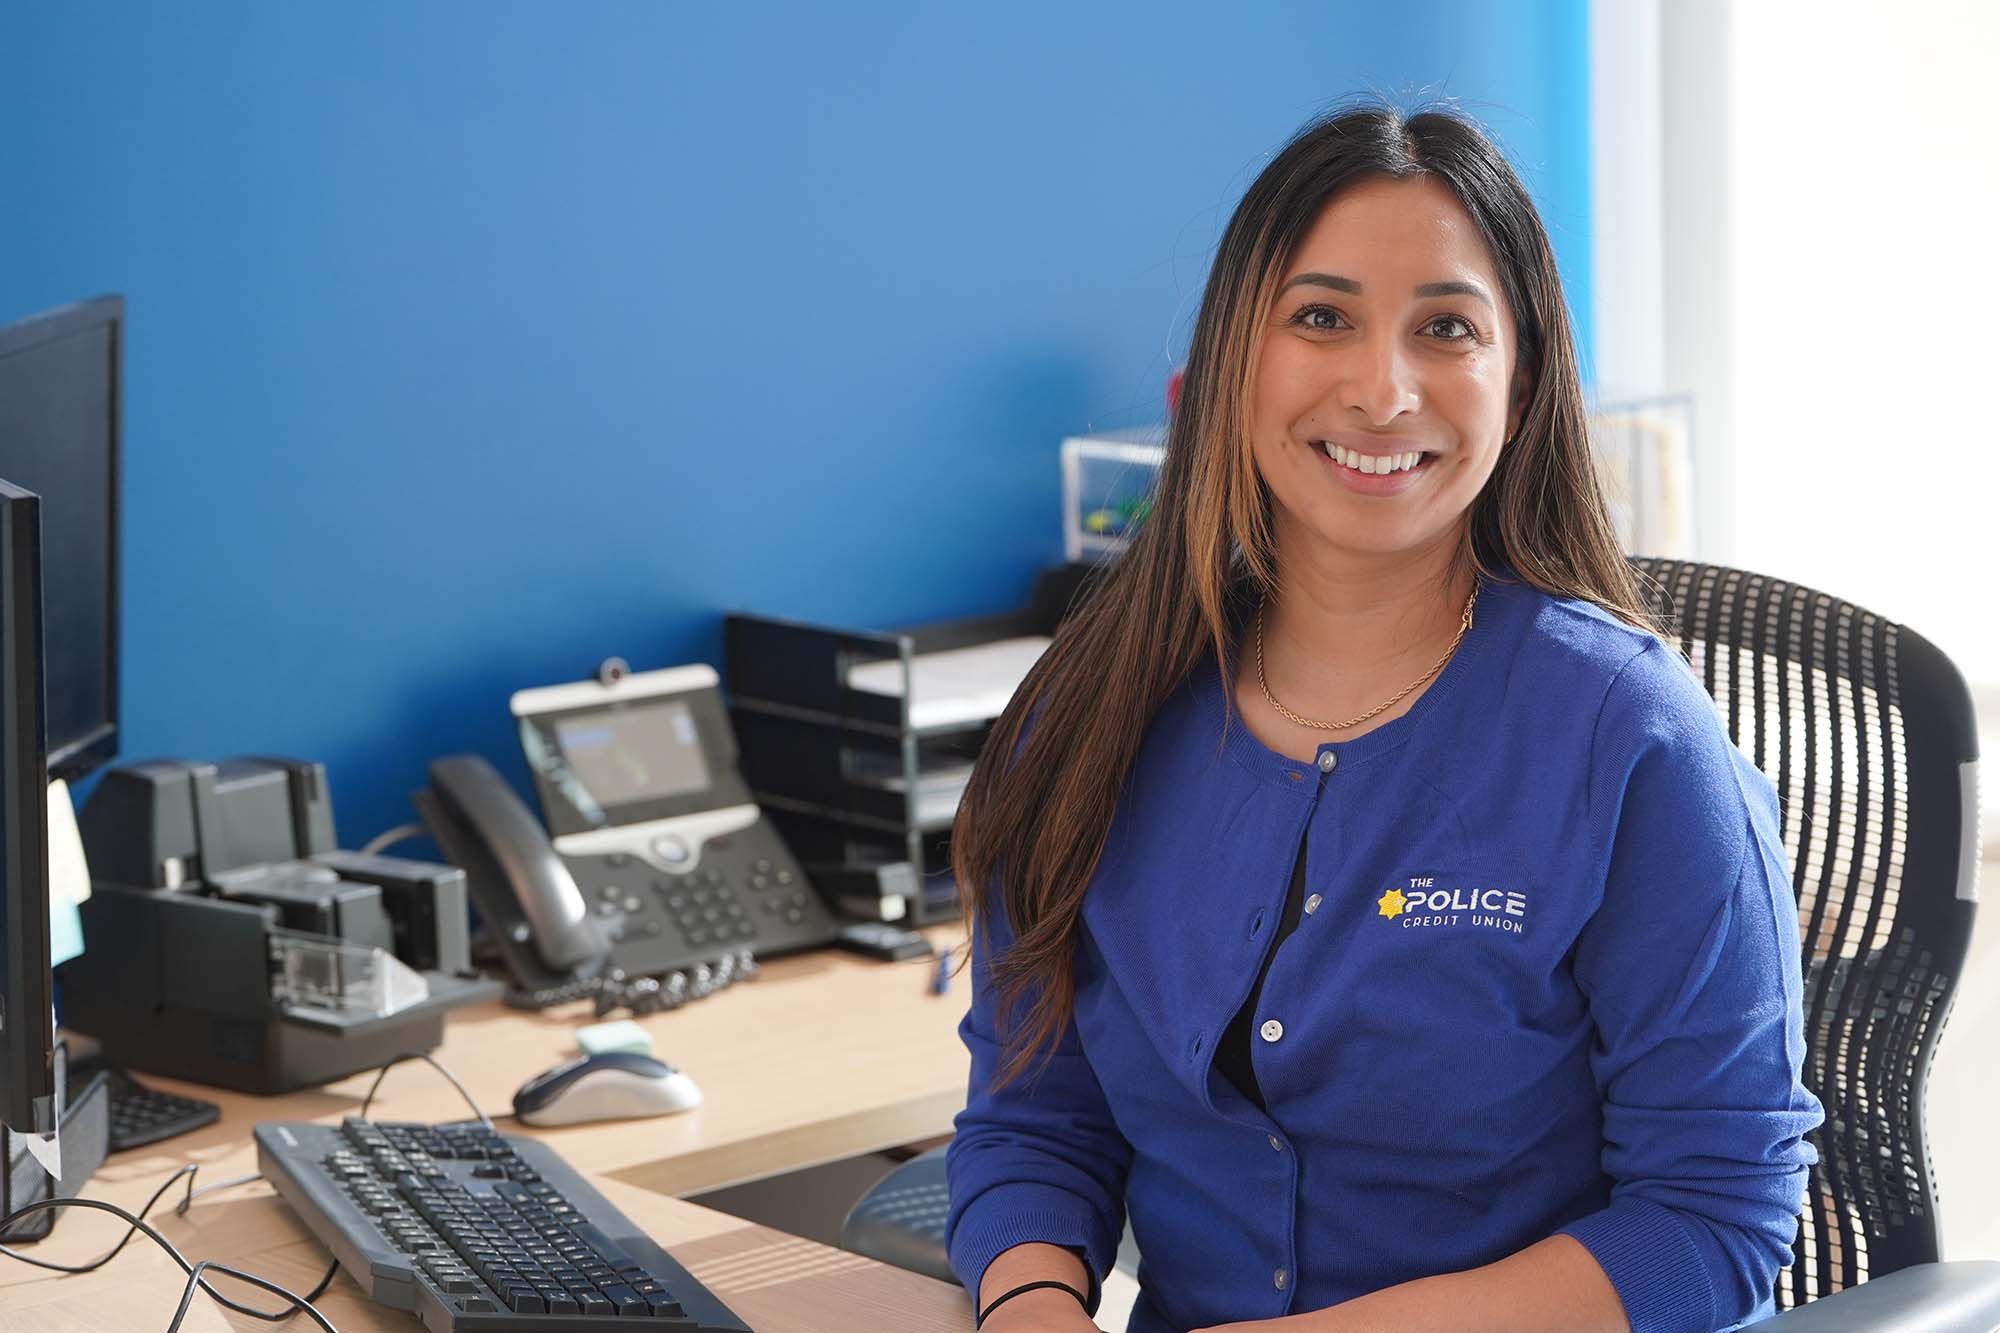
824,1056
775,1283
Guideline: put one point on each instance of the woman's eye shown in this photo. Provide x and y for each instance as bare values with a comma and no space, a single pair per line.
1468,330
1318,318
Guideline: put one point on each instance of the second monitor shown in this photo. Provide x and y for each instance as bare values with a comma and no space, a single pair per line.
27,1023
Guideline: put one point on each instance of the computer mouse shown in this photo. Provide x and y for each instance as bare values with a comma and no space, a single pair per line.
611,1085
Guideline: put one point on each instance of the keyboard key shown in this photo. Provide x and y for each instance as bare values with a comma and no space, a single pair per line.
613,1254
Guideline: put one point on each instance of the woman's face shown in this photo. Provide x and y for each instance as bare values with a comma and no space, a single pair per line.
1389,338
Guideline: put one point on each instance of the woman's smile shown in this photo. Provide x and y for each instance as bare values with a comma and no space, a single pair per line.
1374,473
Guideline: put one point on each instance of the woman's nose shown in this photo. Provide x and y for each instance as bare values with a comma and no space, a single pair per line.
1377,382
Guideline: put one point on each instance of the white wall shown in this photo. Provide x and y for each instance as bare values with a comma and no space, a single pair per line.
1794,212
1866,310
1662,228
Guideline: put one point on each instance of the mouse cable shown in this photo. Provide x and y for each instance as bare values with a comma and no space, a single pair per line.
450,1077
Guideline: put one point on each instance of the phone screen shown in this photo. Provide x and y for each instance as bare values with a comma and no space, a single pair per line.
627,755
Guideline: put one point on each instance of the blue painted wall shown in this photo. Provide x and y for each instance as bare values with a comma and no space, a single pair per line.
471,342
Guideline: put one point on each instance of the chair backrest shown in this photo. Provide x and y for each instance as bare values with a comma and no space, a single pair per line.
1868,733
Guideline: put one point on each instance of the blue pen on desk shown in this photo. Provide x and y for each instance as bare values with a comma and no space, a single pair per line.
941,977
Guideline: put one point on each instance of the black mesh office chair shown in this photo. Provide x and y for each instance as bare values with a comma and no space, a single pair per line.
1867,731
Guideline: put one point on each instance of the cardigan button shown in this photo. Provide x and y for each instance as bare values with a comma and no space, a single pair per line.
1278,1279
1272,1029
1327,760
1312,904
1275,1145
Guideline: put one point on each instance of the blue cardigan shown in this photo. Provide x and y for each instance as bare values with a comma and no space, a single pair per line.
1547,980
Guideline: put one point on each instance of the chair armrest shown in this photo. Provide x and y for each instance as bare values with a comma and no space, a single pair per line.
901,1220
1959,1297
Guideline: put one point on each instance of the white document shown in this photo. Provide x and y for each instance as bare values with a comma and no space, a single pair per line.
956,685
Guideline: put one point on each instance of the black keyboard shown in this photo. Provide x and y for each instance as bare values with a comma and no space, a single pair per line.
470,1230
142,1115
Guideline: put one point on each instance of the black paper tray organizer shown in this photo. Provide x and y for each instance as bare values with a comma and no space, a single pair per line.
857,743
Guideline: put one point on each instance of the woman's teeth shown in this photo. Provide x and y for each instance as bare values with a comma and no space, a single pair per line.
1375,465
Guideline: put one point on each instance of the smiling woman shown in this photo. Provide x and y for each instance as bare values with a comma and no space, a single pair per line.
1490,1003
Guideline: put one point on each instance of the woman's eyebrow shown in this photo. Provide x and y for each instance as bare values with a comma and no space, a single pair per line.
1352,287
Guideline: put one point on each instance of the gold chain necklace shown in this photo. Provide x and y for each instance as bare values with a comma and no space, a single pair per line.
1464,624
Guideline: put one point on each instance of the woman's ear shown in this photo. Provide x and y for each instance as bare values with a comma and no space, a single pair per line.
1517,405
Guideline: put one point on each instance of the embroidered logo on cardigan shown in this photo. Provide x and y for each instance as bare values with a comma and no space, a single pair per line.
1421,902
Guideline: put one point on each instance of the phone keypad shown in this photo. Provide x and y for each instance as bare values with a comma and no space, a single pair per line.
705,908
729,903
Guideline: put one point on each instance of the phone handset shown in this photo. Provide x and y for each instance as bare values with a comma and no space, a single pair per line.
541,889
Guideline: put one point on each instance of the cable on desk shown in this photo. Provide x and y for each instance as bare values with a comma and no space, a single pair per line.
186,1171
300,1304
381,1073
213,1265
400,833
180,1209
196,1272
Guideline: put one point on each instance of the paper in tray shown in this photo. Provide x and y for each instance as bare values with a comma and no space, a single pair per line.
956,685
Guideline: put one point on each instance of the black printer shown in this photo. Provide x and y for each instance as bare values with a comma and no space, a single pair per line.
228,941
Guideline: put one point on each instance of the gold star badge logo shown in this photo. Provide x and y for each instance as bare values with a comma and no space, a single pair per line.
1391,903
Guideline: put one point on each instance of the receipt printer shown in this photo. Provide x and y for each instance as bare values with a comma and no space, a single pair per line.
228,941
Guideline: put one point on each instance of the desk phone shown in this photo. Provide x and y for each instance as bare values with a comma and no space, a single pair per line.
651,856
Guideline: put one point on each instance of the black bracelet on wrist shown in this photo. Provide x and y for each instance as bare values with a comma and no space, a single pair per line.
1004,1297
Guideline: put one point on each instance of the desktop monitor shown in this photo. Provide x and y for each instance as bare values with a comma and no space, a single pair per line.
27,1024
59,425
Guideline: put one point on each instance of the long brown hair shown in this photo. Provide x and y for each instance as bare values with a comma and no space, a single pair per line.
1035,815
